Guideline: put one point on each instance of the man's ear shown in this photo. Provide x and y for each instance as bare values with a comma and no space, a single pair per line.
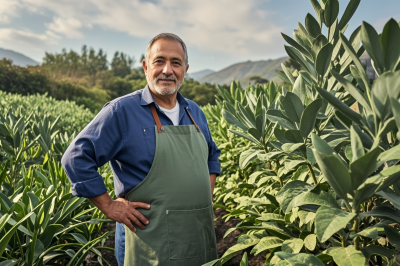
187,68
144,64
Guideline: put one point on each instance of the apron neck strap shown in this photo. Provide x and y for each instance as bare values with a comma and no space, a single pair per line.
191,118
160,128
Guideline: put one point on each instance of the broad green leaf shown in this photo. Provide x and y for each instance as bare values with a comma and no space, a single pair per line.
240,134
390,39
383,212
323,61
299,88
373,45
318,10
293,106
385,87
362,167
292,245
291,147
392,198
357,148
297,259
271,217
352,90
319,42
216,262
298,57
331,12
295,45
9,263
312,26
321,145
393,235
396,111
244,242
293,135
328,221
310,242
272,229
265,243
340,106
348,13
276,116
353,54
290,193
244,261
309,117
348,256
373,250
336,173
255,133
247,157
370,232
231,119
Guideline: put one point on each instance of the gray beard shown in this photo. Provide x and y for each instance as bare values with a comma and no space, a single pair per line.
161,91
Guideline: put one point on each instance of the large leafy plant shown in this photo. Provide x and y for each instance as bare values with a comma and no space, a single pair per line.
321,182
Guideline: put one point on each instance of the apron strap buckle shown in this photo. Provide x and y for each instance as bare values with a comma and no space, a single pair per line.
160,128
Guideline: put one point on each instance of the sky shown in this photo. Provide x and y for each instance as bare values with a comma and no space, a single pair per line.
218,33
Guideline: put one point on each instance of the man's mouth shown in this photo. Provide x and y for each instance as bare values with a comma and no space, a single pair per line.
166,80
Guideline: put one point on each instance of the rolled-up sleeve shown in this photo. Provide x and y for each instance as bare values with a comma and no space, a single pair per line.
214,166
97,144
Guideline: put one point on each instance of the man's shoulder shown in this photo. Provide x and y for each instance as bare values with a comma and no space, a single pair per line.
195,109
130,100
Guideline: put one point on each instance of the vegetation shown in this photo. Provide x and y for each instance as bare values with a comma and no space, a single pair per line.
88,79
312,181
41,223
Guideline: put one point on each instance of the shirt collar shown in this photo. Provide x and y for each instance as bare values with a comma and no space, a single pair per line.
147,98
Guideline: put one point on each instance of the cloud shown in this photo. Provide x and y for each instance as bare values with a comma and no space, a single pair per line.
224,26
8,10
21,38
66,26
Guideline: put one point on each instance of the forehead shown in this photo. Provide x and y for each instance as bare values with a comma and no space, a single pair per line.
167,48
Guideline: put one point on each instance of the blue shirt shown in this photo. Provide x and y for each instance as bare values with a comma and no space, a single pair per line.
122,133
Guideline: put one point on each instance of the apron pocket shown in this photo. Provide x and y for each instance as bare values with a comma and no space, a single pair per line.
190,232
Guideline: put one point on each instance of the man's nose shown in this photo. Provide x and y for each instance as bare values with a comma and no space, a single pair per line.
168,69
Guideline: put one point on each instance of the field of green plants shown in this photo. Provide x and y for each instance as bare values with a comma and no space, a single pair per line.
41,223
312,181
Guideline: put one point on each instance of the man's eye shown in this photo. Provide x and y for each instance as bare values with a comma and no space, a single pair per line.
159,61
177,63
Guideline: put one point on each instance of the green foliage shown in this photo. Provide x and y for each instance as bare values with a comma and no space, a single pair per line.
308,174
41,223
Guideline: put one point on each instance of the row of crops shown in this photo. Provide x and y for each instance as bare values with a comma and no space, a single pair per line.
41,223
312,181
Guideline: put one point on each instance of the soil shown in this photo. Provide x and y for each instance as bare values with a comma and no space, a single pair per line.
222,243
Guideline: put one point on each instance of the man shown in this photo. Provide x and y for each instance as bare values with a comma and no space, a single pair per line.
164,163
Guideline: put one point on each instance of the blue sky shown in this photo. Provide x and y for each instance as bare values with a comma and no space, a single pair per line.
218,33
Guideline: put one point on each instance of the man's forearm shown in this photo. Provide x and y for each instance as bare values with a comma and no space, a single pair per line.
212,181
102,202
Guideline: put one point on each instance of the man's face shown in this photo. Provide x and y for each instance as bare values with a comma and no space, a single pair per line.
165,69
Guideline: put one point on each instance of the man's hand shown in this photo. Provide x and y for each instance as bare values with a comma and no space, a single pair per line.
122,211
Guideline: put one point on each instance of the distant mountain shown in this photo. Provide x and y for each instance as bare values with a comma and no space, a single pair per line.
17,58
200,74
243,71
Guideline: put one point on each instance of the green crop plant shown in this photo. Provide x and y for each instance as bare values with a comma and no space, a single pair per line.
317,183
41,223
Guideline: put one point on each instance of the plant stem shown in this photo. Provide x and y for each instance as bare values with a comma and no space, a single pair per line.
355,230
312,174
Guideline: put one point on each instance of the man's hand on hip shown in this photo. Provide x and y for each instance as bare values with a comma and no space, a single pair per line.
122,211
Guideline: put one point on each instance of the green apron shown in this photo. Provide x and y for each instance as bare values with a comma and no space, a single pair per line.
181,229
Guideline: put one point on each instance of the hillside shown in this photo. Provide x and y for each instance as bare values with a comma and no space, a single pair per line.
200,74
17,58
243,71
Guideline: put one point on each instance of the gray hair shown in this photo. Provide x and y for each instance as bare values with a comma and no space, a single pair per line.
167,36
